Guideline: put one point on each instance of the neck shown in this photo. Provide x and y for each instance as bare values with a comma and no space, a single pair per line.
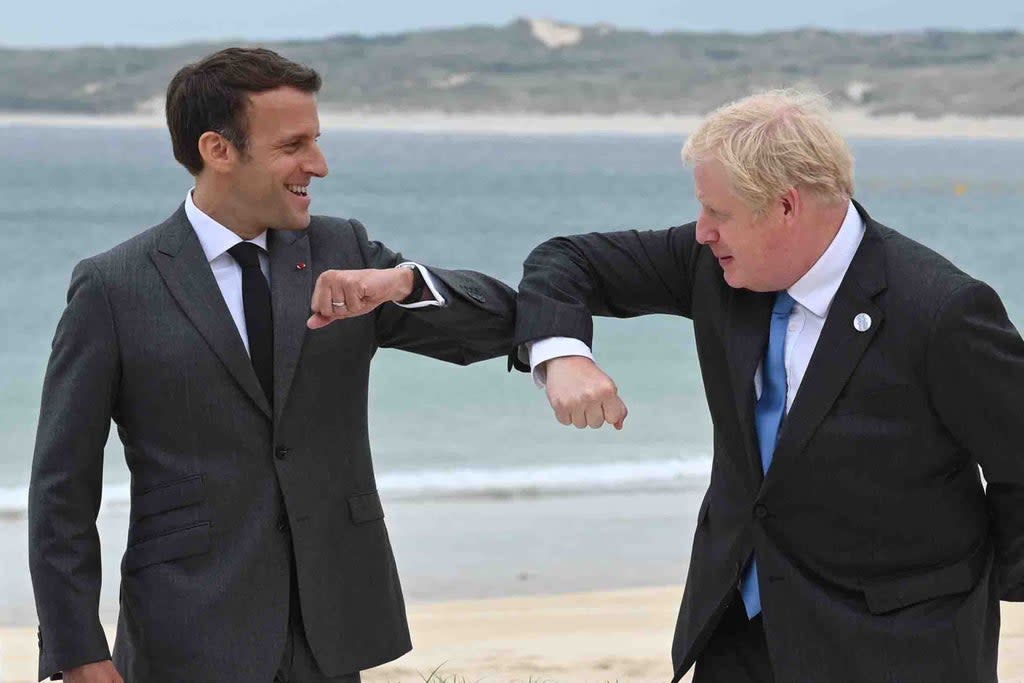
218,204
820,239
833,216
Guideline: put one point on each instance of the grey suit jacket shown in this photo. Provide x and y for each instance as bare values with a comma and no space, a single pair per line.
881,557
222,486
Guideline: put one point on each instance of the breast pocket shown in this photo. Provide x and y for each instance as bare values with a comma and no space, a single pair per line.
880,401
166,524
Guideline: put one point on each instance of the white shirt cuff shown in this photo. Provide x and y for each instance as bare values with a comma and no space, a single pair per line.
544,350
429,280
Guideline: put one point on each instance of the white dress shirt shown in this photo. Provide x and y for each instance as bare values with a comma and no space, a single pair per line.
813,294
217,239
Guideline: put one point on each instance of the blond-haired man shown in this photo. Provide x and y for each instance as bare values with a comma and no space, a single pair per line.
856,381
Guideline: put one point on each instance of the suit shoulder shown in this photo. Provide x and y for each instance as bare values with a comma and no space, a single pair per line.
334,224
334,228
919,279
915,266
333,233
128,254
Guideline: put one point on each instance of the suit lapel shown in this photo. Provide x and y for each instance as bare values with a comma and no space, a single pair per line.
180,259
747,334
840,345
291,287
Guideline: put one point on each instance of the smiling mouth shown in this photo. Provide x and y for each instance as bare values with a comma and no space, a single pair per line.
298,190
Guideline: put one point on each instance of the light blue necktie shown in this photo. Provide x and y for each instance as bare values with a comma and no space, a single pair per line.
771,408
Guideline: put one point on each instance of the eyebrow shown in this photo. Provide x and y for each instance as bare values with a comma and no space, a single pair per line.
296,139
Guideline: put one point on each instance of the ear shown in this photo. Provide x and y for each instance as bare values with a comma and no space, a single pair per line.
217,151
791,203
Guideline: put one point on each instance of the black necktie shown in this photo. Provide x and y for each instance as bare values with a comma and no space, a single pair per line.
259,321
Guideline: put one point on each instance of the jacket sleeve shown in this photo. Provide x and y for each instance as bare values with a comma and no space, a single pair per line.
79,391
475,323
976,378
566,280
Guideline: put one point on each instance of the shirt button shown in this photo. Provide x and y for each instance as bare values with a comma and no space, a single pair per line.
760,511
282,453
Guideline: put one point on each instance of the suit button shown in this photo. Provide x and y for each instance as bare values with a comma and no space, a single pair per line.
760,511
282,524
282,453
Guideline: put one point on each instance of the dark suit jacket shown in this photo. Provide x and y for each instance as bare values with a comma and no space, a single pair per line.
222,487
880,555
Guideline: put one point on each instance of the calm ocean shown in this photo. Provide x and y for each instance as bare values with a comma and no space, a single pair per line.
480,202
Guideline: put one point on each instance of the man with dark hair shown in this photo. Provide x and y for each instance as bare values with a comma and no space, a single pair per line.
211,95
256,548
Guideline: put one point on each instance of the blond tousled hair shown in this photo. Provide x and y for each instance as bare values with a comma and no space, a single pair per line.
773,141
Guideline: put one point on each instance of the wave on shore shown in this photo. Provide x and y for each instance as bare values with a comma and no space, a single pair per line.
496,483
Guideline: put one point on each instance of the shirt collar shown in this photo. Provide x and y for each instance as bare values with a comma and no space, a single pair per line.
214,237
816,289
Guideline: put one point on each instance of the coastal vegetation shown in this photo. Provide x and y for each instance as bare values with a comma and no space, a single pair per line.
541,66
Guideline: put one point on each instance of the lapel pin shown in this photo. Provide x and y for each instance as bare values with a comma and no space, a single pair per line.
301,265
862,322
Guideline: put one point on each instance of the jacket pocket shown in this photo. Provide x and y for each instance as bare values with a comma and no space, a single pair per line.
165,497
172,545
890,594
161,511
365,507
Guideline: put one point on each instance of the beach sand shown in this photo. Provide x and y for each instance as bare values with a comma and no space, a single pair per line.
853,123
570,638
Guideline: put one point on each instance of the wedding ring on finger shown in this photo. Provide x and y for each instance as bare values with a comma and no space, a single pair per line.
338,304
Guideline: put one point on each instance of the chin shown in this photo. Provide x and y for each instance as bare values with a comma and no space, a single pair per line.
297,223
734,281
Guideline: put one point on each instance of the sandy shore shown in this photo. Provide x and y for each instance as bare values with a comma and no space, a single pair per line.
853,123
570,638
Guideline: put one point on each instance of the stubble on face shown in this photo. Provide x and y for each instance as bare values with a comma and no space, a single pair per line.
281,158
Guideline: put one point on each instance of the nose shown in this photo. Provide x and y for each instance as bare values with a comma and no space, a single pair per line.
706,235
316,164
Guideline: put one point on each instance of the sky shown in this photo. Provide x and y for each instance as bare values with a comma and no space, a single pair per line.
130,22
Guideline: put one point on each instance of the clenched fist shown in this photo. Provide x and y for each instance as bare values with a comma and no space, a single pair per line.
343,294
581,394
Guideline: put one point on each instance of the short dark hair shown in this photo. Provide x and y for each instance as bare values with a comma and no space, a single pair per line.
213,94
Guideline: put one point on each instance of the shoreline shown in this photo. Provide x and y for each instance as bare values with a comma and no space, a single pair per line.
567,638
852,123
492,548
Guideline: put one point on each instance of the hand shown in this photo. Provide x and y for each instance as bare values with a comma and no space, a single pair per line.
582,394
97,672
343,294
